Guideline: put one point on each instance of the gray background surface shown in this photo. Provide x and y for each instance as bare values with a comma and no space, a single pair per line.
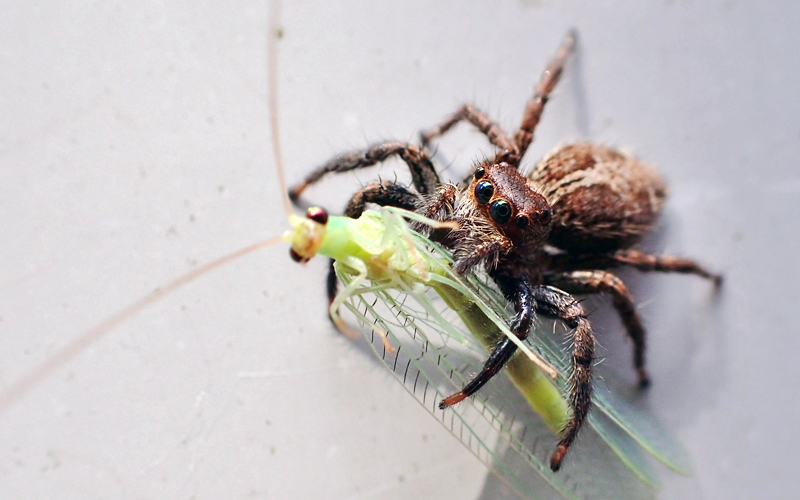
133,146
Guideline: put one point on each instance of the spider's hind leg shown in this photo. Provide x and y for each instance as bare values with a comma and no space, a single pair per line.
664,263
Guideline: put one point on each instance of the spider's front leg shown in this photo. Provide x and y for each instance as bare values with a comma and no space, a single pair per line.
552,302
518,290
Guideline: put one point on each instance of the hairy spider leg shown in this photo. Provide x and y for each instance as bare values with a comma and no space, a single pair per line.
423,173
547,82
586,274
469,112
511,149
553,302
664,263
518,290
597,281
634,258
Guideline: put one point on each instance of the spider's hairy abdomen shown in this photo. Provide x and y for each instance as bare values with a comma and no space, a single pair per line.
602,200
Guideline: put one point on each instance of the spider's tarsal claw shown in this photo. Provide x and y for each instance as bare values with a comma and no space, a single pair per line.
557,457
644,378
295,192
452,400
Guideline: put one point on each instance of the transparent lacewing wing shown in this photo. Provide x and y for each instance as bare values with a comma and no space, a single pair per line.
432,353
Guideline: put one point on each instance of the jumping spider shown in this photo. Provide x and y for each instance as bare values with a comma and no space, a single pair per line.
540,237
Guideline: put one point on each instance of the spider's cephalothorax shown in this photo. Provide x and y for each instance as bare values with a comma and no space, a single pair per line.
540,238
500,217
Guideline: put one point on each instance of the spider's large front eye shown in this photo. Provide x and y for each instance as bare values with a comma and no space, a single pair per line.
484,191
500,211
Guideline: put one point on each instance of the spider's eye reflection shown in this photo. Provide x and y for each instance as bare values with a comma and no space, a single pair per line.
522,221
500,211
480,172
484,191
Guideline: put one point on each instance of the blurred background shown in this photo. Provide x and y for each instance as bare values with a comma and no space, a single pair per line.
134,147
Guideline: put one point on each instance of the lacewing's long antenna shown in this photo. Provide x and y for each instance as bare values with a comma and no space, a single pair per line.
19,388
273,35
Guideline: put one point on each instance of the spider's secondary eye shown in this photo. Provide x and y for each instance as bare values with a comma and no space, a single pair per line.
484,191
500,211
544,215
522,221
479,172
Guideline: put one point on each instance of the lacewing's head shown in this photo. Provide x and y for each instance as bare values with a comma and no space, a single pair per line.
306,234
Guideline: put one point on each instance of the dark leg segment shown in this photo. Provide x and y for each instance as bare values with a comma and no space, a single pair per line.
533,110
517,290
553,302
664,263
634,258
383,193
423,173
497,359
475,116
603,281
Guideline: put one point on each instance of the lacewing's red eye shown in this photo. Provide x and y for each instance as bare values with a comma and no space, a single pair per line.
317,214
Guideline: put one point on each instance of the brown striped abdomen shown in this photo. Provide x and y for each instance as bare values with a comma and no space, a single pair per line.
602,200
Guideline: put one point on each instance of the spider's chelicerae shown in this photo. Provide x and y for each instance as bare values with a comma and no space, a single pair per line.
540,238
